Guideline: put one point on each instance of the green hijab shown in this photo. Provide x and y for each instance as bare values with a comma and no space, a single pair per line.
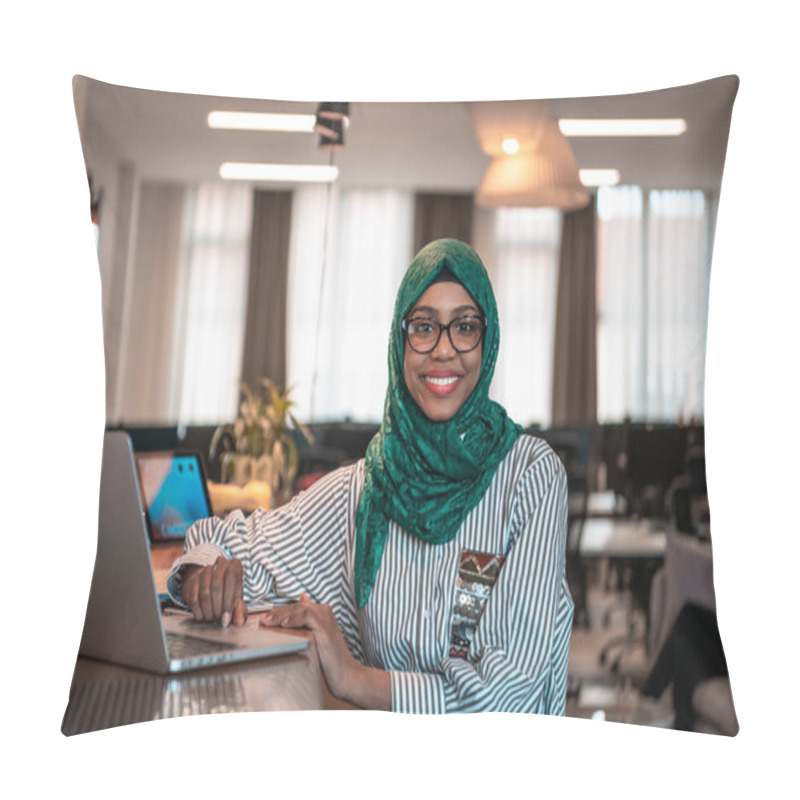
427,476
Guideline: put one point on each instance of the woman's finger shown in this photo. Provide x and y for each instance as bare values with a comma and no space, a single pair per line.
189,591
240,612
231,590
217,587
204,594
291,616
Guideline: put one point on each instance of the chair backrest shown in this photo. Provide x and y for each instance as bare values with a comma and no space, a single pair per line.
316,462
577,506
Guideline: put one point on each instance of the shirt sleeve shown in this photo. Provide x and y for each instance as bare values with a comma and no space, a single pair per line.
302,547
518,656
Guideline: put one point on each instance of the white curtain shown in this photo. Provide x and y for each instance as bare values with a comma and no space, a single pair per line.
652,289
211,306
524,269
620,304
678,278
339,319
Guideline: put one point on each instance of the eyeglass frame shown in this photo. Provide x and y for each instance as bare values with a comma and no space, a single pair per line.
443,328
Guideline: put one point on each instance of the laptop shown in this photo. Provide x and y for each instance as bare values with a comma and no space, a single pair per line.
124,623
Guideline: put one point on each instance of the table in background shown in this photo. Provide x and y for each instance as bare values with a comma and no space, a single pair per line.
622,538
637,548
605,504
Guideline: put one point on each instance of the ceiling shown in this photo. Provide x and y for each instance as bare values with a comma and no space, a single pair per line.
421,146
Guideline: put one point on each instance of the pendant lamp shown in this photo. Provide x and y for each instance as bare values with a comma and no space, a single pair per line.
543,172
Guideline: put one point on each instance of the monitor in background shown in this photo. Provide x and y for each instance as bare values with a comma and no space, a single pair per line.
175,494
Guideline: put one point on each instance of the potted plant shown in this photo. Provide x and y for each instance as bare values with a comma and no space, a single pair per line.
259,445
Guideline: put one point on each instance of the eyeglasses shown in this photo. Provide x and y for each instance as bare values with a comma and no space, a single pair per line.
423,333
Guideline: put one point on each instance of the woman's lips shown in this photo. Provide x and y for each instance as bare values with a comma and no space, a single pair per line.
441,383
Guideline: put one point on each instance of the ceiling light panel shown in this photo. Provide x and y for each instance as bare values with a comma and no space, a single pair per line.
257,121
289,173
622,127
599,177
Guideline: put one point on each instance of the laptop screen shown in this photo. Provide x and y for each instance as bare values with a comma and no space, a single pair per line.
174,493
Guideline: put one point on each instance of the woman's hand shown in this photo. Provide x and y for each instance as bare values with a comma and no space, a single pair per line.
216,592
346,677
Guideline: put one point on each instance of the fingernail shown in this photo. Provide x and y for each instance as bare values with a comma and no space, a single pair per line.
226,619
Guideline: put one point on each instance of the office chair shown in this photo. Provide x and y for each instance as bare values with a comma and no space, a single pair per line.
688,496
567,446
314,462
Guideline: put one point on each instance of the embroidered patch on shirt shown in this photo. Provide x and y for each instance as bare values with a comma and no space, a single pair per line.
477,574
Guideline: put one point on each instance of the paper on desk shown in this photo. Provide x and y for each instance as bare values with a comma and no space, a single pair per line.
254,608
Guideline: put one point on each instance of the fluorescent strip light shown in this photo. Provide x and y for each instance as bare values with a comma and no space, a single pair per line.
292,173
599,177
256,121
622,127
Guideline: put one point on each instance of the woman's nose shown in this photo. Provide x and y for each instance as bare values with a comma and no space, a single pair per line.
444,347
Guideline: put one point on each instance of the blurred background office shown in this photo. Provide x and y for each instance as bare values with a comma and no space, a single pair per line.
270,243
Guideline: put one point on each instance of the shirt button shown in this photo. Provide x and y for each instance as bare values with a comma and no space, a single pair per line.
427,613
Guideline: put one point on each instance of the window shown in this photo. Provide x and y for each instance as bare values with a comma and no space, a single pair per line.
337,360
525,276
652,303
212,302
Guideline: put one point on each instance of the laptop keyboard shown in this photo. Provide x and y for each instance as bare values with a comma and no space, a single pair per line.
182,645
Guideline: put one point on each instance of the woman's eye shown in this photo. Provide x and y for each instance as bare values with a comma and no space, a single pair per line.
421,326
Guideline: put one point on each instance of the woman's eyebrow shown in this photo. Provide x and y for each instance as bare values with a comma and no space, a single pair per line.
429,310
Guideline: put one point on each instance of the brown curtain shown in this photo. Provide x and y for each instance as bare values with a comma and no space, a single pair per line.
442,215
575,352
265,331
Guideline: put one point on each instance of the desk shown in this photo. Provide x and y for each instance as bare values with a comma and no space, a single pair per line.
605,504
638,547
106,695
622,539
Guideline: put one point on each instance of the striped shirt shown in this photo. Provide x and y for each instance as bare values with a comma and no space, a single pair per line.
450,643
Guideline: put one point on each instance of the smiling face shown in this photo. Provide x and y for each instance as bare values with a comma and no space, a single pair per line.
441,381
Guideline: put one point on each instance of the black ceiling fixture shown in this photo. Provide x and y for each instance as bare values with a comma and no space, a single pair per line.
330,123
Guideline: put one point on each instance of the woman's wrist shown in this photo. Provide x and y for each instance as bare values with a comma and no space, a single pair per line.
367,687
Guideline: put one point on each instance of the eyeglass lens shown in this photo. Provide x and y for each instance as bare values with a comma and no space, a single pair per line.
464,332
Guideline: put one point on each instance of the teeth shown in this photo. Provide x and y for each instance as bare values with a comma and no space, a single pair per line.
442,381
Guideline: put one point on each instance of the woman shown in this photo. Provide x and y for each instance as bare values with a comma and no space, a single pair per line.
431,572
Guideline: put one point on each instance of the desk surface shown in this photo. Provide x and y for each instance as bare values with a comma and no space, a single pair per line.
107,695
622,538
605,504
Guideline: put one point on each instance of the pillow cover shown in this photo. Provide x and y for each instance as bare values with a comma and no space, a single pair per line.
623,284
